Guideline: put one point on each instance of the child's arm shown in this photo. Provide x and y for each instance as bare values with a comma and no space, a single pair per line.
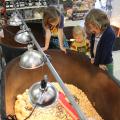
47,39
88,42
61,38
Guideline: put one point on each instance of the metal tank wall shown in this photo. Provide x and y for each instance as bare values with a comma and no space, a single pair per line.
73,68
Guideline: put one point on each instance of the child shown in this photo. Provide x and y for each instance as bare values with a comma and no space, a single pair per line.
80,43
102,39
53,23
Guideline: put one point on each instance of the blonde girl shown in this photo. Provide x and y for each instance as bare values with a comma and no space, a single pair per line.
80,42
53,23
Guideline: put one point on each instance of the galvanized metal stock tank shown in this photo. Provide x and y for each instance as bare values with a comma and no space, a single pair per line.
73,68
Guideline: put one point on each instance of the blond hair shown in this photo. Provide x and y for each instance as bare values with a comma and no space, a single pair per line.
50,15
78,30
98,18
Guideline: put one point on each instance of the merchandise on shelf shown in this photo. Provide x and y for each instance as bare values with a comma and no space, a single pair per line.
27,8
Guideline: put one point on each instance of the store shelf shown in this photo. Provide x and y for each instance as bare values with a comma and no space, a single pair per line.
27,8
21,8
29,19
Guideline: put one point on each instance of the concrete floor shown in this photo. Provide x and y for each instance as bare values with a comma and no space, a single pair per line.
116,62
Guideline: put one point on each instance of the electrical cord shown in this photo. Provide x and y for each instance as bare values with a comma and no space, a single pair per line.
40,98
11,117
31,112
43,85
11,33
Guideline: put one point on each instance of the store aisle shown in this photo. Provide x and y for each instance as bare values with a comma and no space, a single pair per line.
115,17
116,62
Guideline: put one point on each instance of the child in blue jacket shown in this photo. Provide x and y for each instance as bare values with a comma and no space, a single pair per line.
102,39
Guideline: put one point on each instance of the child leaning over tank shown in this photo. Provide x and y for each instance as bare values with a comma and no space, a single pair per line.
53,23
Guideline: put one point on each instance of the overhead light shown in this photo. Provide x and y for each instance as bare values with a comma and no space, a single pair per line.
43,93
14,20
31,59
22,36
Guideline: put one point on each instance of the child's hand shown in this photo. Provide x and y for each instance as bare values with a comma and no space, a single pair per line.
88,42
103,67
44,48
63,49
92,60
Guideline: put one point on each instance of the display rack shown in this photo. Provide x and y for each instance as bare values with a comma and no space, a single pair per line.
76,10
30,9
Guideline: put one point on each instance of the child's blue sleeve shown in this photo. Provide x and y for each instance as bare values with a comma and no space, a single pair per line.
61,21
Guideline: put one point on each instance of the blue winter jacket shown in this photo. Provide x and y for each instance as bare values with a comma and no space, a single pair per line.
104,48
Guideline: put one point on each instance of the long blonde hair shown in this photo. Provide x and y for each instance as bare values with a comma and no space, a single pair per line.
50,15
97,18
